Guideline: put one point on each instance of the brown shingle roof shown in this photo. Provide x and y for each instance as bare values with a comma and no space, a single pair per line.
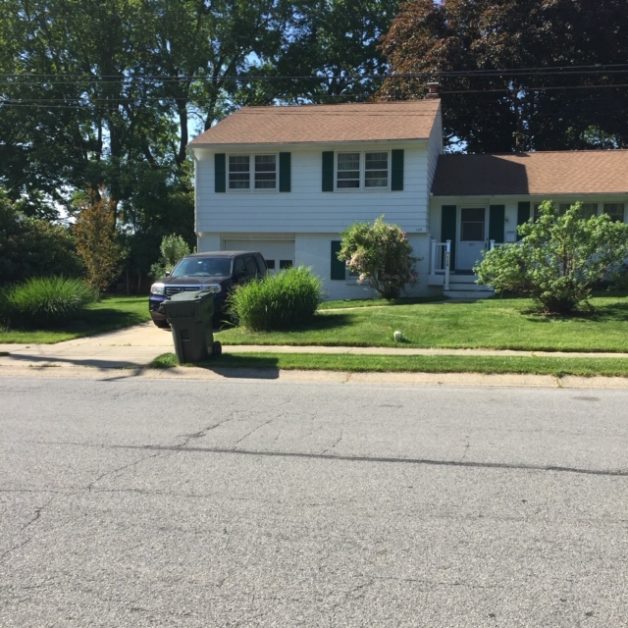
560,172
408,120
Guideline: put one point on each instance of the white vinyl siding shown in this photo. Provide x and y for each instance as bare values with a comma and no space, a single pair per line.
307,208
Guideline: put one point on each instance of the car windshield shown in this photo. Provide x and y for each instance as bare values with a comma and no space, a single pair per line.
202,267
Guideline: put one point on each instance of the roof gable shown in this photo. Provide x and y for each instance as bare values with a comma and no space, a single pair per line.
357,122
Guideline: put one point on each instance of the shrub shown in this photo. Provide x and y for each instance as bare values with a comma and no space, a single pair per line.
173,247
30,247
380,255
287,299
44,301
560,258
97,241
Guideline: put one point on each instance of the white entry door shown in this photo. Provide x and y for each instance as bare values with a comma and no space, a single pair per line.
471,236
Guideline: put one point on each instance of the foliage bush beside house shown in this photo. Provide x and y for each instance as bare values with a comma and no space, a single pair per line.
380,255
286,300
560,258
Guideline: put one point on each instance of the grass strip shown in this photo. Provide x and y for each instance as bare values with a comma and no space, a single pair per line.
556,366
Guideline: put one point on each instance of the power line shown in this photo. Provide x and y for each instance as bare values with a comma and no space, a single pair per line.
71,78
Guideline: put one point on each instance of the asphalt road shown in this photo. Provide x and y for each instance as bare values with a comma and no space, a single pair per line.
132,502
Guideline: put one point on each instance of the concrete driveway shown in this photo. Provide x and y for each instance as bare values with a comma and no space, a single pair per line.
130,347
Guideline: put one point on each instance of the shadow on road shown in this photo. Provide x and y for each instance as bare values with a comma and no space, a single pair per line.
42,361
242,367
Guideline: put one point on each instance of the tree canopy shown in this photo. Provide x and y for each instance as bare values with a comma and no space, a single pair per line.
513,73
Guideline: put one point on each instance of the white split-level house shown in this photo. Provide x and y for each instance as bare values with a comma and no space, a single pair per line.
287,181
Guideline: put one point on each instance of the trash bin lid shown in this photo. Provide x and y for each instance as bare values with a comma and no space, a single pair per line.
188,303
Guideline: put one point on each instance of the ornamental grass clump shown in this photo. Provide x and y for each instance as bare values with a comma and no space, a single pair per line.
277,302
45,301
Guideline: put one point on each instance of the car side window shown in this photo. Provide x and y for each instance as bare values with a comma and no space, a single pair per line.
261,265
251,267
239,268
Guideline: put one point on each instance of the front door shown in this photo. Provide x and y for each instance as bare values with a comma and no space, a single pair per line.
471,237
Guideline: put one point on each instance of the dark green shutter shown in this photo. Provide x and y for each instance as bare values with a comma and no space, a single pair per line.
337,267
328,171
396,178
496,217
523,214
220,172
448,230
284,172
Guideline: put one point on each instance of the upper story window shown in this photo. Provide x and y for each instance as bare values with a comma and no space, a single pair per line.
348,170
362,170
248,172
376,170
265,172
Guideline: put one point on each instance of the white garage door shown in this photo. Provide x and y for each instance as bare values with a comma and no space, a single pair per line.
277,253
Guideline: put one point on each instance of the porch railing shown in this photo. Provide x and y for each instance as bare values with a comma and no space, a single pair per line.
440,260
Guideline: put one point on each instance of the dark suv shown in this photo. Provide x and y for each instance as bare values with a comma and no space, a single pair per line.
217,271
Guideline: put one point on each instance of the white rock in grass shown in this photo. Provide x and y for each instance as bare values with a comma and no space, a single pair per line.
398,336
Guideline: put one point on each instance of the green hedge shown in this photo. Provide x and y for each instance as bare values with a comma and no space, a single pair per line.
282,301
44,301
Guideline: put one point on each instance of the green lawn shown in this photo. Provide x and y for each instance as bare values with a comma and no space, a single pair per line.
557,366
106,315
491,323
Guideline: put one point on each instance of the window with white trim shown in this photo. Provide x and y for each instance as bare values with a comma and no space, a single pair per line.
239,172
376,170
348,170
265,172
368,170
248,172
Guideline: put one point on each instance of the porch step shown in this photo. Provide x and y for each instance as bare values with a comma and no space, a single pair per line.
467,290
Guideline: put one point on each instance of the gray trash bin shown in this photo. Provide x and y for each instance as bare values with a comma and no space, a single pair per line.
190,316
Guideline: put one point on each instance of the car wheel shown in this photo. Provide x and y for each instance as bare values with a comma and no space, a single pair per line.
162,324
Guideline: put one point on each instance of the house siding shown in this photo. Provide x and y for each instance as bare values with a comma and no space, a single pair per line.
511,206
434,149
307,209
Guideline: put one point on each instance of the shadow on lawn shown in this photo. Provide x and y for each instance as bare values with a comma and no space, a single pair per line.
101,320
613,312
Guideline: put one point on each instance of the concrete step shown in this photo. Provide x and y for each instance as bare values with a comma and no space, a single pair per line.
468,294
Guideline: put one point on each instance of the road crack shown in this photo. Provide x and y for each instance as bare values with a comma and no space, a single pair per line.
34,519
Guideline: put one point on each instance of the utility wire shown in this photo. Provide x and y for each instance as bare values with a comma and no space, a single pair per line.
126,78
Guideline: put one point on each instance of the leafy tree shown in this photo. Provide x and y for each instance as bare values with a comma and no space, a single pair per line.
559,259
32,247
94,90
97,242
380,255
330,47
467,44
173,247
